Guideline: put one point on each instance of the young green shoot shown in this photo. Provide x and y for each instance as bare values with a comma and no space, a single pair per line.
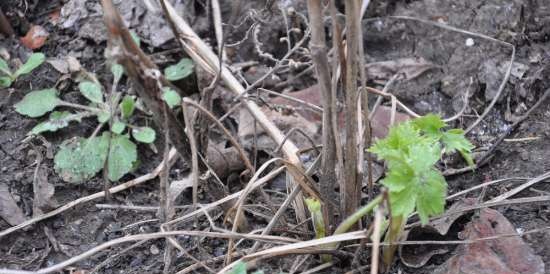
411,151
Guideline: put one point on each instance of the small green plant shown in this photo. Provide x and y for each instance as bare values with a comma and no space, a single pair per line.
240,268
411,151
80,158
7,77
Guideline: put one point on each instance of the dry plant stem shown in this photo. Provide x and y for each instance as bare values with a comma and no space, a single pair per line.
318,268
350,189
293,99
111,258
284,206
366,141
166,211
196,266
328,161
92,197
204,56
194,150
338,63
376,241
149,236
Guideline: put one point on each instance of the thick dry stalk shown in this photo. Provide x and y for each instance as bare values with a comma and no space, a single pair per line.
350,190
319,56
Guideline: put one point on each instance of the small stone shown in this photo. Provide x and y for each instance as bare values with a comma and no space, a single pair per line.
154,250
469,42
524,155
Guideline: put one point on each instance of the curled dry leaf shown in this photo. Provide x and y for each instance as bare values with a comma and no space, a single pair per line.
9,211
506,255
35,37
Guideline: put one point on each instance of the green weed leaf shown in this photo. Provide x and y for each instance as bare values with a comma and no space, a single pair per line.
431,198
180,70
117,70
122,155
118,127
144,134
127,107
135,37
454,140
103,117
37,103
80,159
171,97
429,124
35,60
92,91
239,268
5,81
57,120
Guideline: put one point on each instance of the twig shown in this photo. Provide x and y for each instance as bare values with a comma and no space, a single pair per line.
149,236
294,99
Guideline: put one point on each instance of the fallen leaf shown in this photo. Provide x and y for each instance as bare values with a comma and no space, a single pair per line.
9,211
35,37
55,16
177,187
43,193
506,255
74,64
59,64
410,68
436,229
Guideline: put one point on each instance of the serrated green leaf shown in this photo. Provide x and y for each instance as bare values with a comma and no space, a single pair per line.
103,117
122,155
180,70
4,68
5,81
117,70
92,91
35,60
239,268
80,159
38,103
403,201
431,199
57,120
454,140
430,124
135,37
144,134
423,156
171,97
127,106
118,127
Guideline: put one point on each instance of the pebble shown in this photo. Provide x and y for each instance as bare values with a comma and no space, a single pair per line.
154,250
469,42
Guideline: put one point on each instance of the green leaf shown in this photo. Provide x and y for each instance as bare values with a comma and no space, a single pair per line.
431,199
118,127
239,268
122,155
144,134
171,97
37,103
127,106
117,70
5,81
135,37
92,91
403,202
57,120
430,124
180,70
454,140
4,68
103,117
80,159
423,156
35,60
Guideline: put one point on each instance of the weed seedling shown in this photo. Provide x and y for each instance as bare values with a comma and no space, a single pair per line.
7,77
411,151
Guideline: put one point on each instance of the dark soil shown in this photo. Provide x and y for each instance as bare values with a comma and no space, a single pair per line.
523,23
